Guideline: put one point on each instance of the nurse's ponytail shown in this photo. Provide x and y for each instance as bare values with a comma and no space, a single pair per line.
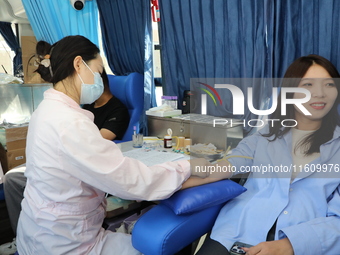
56,61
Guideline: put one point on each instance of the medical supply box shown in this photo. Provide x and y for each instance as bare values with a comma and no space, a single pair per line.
18,101
12,146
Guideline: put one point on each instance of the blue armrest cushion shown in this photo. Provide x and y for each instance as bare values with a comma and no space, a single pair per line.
161,232
201,197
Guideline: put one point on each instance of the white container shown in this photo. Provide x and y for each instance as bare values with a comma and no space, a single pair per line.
166,100
164,114
173,102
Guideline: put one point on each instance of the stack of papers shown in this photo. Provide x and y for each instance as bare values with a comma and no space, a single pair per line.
154,157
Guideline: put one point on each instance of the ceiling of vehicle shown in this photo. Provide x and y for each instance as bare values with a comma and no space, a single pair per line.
12,11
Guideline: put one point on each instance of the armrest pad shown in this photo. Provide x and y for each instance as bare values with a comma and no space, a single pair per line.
161,232
201,197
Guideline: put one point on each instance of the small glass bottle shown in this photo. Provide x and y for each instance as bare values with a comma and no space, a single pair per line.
167,142
137,139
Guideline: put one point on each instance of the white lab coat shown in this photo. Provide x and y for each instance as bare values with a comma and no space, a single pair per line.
69,169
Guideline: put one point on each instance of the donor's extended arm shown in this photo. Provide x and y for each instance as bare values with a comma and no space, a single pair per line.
203,172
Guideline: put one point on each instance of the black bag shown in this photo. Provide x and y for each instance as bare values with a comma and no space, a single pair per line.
189,103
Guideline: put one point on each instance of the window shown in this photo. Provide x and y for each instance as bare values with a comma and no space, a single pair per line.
6,56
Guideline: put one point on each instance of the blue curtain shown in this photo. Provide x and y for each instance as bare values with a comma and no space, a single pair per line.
243,39
213,39
304,27
10,38
127,42
54,19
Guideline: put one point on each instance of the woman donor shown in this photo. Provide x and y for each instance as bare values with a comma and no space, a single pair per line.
295,211
70,166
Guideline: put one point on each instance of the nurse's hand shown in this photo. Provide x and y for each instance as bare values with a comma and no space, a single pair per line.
197,181
278,247
220,170
203,172
200,167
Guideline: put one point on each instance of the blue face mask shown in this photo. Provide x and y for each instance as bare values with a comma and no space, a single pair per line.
91,92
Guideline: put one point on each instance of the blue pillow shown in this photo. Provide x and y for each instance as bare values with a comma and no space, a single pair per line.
201,197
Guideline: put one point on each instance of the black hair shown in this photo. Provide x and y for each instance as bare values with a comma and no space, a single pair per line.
105,80
61,55
329,122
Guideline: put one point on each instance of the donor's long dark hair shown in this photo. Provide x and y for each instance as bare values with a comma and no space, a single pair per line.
329,122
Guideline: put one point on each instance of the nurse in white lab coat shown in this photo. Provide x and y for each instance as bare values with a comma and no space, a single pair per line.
70,166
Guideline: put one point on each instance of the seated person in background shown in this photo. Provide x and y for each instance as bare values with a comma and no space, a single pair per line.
112,119
295,210
110,115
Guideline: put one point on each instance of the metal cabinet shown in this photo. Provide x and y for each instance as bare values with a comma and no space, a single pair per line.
200,128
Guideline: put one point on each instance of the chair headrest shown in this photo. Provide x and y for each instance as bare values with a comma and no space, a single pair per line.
128,89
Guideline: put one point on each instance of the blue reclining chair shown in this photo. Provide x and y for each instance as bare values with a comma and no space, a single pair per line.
183,218
130,91
2,194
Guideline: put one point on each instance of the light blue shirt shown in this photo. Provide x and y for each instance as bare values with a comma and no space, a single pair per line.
307,210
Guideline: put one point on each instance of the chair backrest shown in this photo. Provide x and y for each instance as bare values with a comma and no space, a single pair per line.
130,91
2,193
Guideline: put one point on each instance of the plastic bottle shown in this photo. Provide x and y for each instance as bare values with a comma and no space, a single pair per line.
174,102
166,100
137,139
